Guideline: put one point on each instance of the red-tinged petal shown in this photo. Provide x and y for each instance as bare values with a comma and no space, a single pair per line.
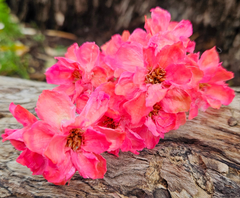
125,35
60,174
55,150
155,93
178,74
34,161
39,136
22,115
209,63
71,52
175,101
96,106
89,165
133,142
95,141
165,121
54,107
136,108
58,74
99,76
115,136
150,140
183,28
221,75
139,36
19,145
87,55
197,75
81,102
15,137
128,57
172,54
221,93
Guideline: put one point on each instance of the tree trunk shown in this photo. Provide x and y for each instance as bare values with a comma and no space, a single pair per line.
201,159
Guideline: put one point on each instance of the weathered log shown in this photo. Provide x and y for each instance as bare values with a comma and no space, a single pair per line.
201,159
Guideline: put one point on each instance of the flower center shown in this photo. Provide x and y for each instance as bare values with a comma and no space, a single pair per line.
156,76
75,139
109,123
202,86
155,110
76,75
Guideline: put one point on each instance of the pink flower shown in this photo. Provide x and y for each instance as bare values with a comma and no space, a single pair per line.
212,90
82,69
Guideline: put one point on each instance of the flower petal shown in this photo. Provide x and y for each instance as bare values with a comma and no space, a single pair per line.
54,107
89,165
55,150
95,141
38,136
155,93
22,115
34,161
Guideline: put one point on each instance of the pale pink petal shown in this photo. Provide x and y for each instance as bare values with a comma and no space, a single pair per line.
71,52
39,136
68,89
155,93
34,161
59,174
22,115
89,165
139,36
94,141
87,55
128,57
220,93
55,150
54,107
183,28
136,108
175,101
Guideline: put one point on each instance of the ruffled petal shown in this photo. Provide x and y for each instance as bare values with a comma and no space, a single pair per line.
54,107
175,101
95,141
22,115
89,165
34,161
55,150
155,94
39,136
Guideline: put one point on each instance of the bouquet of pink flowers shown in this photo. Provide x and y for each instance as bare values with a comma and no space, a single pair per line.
124,96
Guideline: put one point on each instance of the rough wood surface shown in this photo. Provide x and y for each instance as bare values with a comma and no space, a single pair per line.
201,159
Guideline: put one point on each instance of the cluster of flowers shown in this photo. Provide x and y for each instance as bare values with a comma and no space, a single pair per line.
122,97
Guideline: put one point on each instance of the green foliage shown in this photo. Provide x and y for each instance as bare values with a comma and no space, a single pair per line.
10,63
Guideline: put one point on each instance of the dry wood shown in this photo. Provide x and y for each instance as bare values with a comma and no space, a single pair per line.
201,159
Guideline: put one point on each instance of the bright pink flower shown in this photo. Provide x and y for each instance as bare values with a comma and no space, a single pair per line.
82,69
212,90
67,140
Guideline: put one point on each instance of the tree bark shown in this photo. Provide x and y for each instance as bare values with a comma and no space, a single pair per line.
201,159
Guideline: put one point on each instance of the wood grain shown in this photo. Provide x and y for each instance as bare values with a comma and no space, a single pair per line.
201,159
